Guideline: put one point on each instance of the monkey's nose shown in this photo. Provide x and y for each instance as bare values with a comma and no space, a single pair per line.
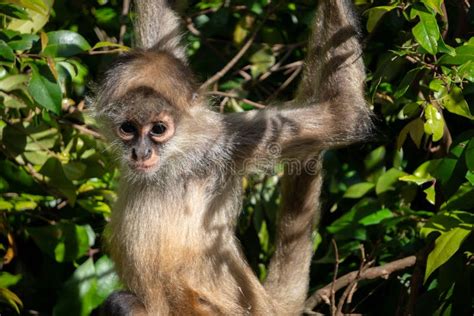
141,155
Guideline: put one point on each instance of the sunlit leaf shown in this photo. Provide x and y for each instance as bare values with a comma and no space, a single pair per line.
375,14
63,242
358,190
430,193
426,32
463,54
38,17
455,103
445,221
446,246
44,88
8,279
65,44
79,293
261,61
6,52
434,4
434,124
11,299
470,155
13,11
415,179
387,181
416,131
23,42
13,82
108,280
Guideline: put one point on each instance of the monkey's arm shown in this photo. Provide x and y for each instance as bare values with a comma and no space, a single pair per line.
329,109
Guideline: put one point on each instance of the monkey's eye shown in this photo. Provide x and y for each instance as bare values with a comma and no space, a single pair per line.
158,129
128,128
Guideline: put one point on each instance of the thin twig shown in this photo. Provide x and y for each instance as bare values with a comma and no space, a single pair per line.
287,82
221,73
384,271
351,288
85,130
336,268
123,20
235,96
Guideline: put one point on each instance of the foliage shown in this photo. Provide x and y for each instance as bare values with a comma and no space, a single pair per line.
410,191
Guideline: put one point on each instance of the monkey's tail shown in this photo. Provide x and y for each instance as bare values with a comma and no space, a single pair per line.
288,276
157,26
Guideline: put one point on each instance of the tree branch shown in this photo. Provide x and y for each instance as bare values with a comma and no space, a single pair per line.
323,294
221,73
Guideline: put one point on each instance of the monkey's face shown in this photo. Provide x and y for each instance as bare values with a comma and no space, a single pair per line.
144,127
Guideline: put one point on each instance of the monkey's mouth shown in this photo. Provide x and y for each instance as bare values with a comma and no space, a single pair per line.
143,166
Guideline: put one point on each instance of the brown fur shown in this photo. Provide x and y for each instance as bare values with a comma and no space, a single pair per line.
171,233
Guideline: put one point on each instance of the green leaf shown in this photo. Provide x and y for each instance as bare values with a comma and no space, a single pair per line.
470,155
415,179
111,45
470,177
462,199
11,299
447,220
375,14
410,110
415,129
434,124
79,293
261,61
58,179
430,193
63,242
7,279
445,48
42,141
13,11
375,158
14,139
352,224
434,4
376,217
44,88
38,12
13,82
463,54
74,170
455,103
94,206
406,82
23,42
65,44
6,52
358,190
426,32
446,246
387,181
467,71
108,280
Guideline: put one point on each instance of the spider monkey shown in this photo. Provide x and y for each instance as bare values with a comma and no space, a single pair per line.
171,233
